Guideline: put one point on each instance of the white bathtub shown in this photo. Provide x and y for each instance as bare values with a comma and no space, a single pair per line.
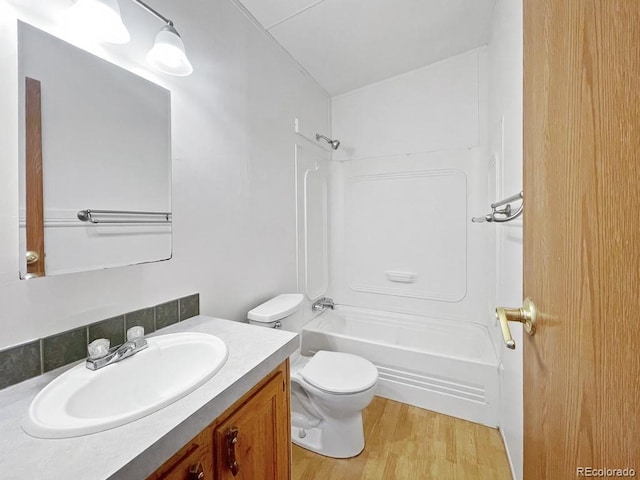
441,365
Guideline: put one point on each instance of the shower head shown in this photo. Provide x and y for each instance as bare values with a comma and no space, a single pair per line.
334,143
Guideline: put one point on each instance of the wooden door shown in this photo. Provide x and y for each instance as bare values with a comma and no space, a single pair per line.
582,236
262,430
33,178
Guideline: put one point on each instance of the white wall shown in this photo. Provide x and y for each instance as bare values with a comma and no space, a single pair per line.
234,237
505,140
8,148
405,188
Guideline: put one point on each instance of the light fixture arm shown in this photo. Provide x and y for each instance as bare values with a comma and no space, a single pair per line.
154,12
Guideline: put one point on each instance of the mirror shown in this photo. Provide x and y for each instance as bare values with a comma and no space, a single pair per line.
95,161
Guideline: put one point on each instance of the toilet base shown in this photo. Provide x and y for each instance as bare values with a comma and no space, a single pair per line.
335,438
307,438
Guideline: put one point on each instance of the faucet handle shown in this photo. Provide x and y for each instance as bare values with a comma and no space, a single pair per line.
134,333
98,348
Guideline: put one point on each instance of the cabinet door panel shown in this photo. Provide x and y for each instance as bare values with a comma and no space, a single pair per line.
195,457
261,448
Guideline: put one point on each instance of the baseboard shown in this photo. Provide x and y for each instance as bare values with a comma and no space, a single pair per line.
506,449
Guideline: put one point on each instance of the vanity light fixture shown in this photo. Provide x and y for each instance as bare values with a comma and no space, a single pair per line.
102,18
167,54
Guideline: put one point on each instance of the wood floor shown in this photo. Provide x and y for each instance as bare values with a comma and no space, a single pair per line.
404,442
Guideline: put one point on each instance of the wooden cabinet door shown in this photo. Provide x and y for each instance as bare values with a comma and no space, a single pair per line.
193,462
262,448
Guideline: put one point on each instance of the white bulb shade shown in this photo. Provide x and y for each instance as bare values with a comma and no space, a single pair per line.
99,19
168,55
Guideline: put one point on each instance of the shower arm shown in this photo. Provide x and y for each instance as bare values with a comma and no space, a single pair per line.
331,141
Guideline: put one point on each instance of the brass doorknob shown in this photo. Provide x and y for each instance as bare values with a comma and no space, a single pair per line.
525,315
32,257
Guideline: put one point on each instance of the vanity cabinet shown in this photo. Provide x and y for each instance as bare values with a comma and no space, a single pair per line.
250,440
194,461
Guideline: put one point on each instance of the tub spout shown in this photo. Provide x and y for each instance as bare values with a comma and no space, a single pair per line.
323,304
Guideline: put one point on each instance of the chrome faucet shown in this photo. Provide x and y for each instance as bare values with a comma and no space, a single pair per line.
323,304
100,355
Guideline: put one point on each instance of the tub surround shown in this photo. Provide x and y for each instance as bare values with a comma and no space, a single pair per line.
137,449
412,163
21,362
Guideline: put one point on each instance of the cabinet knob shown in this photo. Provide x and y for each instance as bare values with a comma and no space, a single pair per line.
196,472
232,439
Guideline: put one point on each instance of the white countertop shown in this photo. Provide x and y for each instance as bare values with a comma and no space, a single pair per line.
135,450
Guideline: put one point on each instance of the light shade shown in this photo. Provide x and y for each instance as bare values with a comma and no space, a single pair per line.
168,54
99,19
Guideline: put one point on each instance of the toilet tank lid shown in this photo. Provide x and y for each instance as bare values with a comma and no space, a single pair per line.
276,308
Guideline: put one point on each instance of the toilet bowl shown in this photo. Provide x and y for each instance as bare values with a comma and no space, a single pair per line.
332,389
328,391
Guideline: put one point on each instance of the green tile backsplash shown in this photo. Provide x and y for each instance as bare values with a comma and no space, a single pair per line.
63,348
113,329
19,363
166,314
189,306
25,361
145,318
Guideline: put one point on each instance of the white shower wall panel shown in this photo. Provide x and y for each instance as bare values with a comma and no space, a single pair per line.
437,107
411,172
398,235
312,167
401,237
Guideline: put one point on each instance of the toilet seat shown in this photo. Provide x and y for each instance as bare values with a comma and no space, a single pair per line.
339,373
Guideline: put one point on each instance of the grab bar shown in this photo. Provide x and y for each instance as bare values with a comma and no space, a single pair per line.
512,198
89,215
501,215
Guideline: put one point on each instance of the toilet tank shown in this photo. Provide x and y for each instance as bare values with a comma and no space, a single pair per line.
277,312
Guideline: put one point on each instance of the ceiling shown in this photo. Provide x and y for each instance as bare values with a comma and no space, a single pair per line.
346,44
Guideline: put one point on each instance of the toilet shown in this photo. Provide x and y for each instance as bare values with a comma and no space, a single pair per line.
328,390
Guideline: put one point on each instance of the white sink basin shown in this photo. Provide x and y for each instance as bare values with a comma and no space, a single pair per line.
83,401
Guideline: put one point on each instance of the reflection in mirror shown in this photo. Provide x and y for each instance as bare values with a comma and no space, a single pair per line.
95,161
